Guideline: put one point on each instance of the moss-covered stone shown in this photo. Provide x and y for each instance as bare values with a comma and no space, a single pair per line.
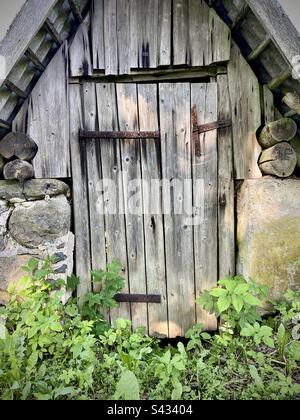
37,189
269,233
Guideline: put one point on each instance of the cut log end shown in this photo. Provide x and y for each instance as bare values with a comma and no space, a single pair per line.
279,160
292,100
18,169
282,130
18,145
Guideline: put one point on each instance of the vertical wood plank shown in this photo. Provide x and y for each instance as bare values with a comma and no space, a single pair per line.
80,59
176,163
110,39
80,194
149,50
152,206
48,119
218,39
93,159
246,116
180,32
131,166
268,105
164,32
98,34
113,189
123,33
226,204
205,194
199,45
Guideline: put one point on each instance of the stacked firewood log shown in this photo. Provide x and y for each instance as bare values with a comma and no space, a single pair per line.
17,151
278,157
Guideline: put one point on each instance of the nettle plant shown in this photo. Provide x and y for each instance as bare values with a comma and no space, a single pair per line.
235,301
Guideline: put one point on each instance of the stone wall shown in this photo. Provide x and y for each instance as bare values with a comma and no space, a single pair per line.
268,234
35,221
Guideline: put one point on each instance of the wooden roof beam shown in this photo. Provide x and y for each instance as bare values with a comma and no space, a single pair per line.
34,59
48,25
75,10
278,25
5,124
259,49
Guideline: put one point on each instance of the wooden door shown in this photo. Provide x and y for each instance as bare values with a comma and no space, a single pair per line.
152,202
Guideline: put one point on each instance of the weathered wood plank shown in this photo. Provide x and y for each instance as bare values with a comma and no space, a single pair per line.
180,32
152,208
110,39
205,195
48,123
113,190
200,36
150,37
219,41
131,167
123,34
226,211
268,105
80,51
95,186
245,101
97,34
24,28
176,163
80,194
276,22
164,32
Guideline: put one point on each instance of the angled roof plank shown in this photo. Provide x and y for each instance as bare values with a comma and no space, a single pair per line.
25,26
279,26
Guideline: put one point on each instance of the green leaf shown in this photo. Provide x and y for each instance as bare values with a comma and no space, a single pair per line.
205,336
241,289
269,342
128,387
218,292
224,303
251,300
238,303
72,282
255,376
177,391
281,333
71,310
33,264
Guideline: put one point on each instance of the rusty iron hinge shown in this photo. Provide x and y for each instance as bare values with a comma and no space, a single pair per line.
84,135
136,298
216,125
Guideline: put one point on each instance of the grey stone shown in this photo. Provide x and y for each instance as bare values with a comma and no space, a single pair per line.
37,189
35,223
269,233
11,191
61,270
11,269
5,211
58,257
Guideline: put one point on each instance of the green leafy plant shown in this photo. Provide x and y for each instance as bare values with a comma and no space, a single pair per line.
235,301
259,334
96,305
49,349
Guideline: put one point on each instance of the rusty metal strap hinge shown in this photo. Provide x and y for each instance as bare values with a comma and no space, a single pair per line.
136,298
85,135
216,125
